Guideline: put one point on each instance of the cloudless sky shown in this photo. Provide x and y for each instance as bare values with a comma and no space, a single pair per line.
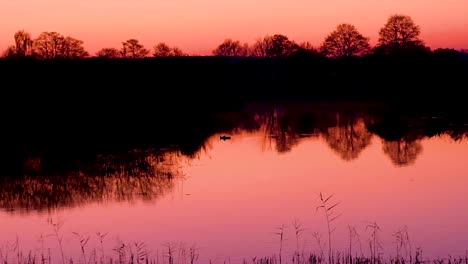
198,26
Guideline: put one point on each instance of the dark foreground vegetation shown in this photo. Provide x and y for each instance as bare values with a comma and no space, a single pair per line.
97,249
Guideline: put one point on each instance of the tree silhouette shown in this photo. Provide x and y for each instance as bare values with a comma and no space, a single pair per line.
260,47
163,50
23,44
73,49
133,49
178,52
349,138
400,32
231,48
402,152
9,52
49,45
109,53
52,45
274,46
345,41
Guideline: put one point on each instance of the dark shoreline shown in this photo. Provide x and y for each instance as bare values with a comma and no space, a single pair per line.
89,106
224,82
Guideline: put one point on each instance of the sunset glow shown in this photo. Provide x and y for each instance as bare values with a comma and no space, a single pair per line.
197,27
229,206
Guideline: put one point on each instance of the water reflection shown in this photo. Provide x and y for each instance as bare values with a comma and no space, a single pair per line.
402,152
48,182
349,138
279,128
349,131
119,178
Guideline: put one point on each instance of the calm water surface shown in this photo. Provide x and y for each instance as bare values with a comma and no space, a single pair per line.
229,199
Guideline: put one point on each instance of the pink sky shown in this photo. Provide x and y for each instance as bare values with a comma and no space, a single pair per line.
198,26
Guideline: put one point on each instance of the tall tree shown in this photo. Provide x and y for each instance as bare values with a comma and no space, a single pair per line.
23,44
49,45
133,49
231,48
399,32
73,49
345,41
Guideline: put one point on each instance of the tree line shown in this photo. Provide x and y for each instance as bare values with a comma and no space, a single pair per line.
400,33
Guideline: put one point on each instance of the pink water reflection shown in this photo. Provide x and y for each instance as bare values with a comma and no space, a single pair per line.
239,191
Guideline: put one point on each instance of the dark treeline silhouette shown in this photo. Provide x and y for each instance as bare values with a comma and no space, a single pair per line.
61,104
399,34
422,79
64,173
399,69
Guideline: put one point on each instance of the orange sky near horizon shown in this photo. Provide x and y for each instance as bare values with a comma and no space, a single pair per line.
198,26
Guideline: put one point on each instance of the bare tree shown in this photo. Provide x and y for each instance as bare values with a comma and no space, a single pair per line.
23,44
109,53
399,32
274,46
49,45
345,41
260,47
52,45
231,48
73,49
163,50
133,49
178,52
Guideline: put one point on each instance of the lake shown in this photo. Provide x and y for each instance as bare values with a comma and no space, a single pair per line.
396,182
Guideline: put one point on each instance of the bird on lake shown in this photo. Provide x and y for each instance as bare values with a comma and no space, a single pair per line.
224,137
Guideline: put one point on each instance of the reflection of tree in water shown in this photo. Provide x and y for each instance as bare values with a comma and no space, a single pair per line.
402,152
144,176
276,126
348,138
458,133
